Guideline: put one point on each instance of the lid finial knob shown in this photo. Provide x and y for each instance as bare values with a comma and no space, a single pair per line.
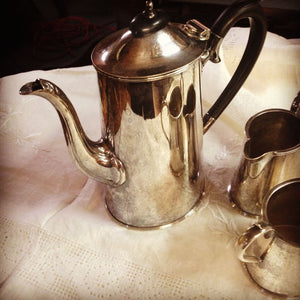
149,9
149,21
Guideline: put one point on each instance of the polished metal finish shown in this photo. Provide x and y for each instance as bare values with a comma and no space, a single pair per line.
163,53
197,30
149,9
95,159
156,127
271,155
270,249
149,80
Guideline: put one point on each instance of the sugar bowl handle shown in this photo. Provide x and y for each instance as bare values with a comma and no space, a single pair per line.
252,245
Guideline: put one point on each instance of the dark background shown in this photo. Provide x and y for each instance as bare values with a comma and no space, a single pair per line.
48,34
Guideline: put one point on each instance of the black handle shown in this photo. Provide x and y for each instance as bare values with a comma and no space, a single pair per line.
241,9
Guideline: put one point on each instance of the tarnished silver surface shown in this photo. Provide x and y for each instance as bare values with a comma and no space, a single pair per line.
271,155
270,249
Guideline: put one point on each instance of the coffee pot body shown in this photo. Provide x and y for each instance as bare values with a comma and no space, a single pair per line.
149,77
156,128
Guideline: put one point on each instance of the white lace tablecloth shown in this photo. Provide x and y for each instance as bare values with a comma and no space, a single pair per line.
57,240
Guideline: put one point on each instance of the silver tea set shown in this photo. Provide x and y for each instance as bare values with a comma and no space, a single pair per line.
149,77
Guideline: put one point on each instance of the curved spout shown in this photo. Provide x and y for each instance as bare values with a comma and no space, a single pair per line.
95,159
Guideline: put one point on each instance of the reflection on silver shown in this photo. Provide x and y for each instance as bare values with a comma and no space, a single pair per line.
167,47
148,129
176,130
271,156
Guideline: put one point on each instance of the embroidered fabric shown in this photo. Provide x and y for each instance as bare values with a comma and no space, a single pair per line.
57,241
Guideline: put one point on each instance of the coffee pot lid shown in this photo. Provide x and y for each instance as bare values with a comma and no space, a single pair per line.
150,48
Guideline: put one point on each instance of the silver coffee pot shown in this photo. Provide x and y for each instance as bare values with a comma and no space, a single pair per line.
149,80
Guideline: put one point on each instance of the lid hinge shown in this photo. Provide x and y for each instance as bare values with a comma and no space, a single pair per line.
196,30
